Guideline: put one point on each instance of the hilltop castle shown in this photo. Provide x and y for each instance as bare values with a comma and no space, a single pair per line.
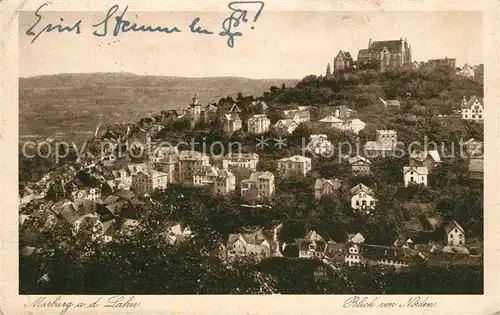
382,55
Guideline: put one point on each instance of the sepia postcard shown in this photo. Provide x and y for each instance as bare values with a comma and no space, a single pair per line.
243,157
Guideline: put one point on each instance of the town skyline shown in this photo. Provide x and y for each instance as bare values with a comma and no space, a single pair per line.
277,53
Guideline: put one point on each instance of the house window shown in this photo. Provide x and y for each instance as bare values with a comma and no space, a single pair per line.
465,116
473,116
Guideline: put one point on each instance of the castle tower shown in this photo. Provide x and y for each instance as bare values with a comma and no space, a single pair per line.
195,108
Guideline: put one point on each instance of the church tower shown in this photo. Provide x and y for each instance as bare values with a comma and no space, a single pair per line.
195,108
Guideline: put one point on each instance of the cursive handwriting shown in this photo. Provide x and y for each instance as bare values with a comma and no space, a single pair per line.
122,25
374,302
50,27
196,29
115,23
237,16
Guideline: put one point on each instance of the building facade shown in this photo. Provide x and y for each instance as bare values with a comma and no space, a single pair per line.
296,164
472,109
386,55
258,124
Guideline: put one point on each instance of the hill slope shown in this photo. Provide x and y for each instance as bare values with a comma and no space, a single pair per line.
75,104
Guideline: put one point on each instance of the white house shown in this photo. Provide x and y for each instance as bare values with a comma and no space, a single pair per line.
360,165
455,234
472,109
146,181
297,164
363,199
244,160
221,181
231,122
353,256
259,185
356,238
415,175
92,194
258,124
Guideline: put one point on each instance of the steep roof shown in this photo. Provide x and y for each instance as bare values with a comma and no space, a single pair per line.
321,182
394,46
421,170
361,188
358,158
453,224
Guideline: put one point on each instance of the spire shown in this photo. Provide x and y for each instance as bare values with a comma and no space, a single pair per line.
370,44
328,70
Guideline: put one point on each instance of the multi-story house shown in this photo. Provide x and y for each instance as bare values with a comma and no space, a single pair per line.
146,181
296,164
415,175
472,109
384,145
360,165
121,179
221,181
353,255
386,55
363,199
92,194
312,245
231,122
429,159
168,163
320,145
259,244
455,234
326,187
449,63
342,61
189,161
259,185
244,160
209,113
258,124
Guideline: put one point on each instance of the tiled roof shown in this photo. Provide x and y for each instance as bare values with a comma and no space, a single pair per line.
320,183
361,188
453,224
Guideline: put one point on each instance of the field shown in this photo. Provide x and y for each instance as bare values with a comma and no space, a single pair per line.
74,104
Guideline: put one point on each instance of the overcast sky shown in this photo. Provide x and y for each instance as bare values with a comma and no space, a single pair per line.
282,45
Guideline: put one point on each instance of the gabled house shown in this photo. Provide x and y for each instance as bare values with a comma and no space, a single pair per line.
286,125
320,145
390,103
466,71
190,161
343,112
259,244
146,181
326,187
362,199
296,164
353,255
353,125
360,165
92,194
231,122
297,115
429,159
472,109
177,232
342,61
221,181
415,175
312,245
455,234
259,185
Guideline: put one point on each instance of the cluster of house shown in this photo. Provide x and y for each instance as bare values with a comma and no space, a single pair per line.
262,243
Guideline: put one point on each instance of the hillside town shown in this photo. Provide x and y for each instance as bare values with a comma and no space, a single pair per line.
100,195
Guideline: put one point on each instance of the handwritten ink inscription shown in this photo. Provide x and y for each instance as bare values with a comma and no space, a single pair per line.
115,23
375,302
116,301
